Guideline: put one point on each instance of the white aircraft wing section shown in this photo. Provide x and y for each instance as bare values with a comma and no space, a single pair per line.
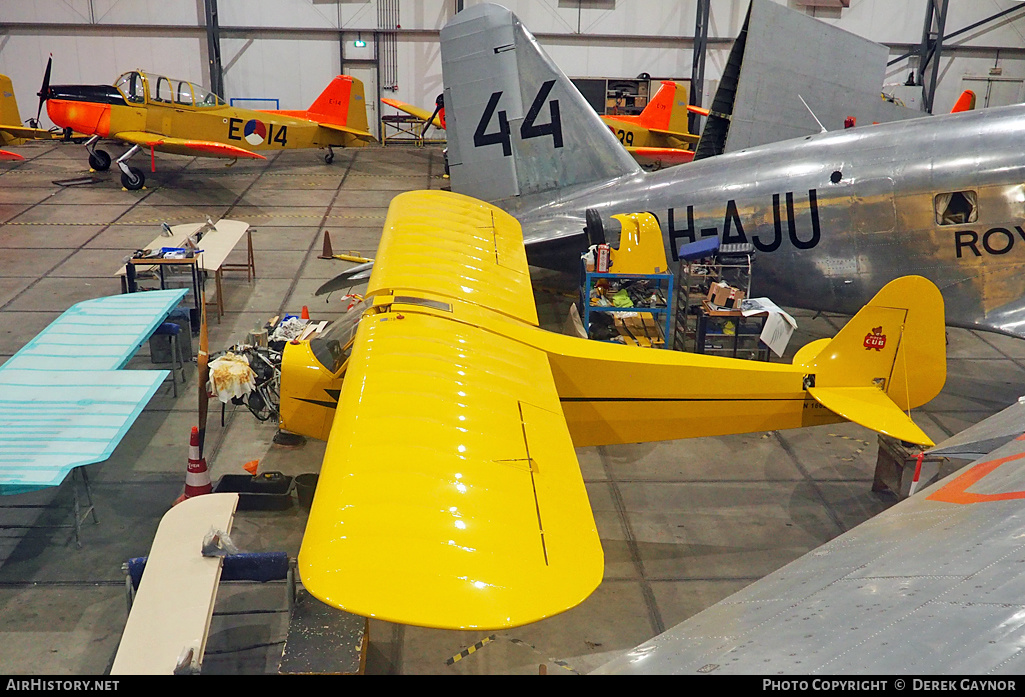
933,585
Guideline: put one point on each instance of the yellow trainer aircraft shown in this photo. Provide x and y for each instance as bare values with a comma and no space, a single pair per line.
161,114
656,138
450,494
12,129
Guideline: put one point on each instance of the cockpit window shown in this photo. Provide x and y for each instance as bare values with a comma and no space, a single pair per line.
205,98
184,94
132,87
332,348
160,89
956,208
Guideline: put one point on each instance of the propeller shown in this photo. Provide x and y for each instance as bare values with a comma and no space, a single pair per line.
439,105
44,92
347,279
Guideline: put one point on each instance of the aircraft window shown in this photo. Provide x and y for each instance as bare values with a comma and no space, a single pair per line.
332,348
956,208
184,95
131,86
205,98
330,353
161,90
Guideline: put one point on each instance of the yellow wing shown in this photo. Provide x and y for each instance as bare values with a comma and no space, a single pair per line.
449,468
186,146
424,115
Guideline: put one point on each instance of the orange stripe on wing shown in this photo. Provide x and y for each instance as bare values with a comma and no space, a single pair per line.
957,490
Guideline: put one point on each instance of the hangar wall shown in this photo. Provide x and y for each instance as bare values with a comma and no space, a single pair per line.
289,49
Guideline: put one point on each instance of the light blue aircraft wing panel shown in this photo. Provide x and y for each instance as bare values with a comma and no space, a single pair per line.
100,334
53,421
64,402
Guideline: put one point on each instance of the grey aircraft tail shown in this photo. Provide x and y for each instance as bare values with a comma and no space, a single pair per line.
516,125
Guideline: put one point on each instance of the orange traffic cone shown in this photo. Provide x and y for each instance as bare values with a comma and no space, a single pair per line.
251,467
327,253
305,313
197,477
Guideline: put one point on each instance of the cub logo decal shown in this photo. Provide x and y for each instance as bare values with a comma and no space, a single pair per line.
875,340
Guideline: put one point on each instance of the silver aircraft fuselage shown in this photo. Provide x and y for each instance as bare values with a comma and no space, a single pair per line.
835,216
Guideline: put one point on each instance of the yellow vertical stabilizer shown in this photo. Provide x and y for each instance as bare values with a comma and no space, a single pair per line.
641,248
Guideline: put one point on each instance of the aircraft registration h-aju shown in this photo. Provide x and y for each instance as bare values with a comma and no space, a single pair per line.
833,216
176,116
450,494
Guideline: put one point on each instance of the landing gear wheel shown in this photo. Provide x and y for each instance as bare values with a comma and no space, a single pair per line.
99,160
133,180
329,157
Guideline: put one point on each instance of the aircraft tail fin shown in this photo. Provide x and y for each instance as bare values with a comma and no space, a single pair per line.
515,123
966,102
667,110
341,104
889,358
9,114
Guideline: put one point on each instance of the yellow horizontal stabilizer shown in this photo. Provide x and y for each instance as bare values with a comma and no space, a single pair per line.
26,132
186,146
362,135
871,408
686,137
450,494
455,246
422,114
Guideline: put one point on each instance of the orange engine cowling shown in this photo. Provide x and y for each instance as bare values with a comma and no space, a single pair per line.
89,118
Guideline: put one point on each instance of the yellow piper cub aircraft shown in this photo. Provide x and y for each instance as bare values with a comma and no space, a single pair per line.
656,138
12,129
166,115
450,495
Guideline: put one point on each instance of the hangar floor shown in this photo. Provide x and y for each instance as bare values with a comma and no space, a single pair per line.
683,523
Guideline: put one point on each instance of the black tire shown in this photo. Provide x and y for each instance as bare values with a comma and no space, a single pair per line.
134,180
99,160
329,157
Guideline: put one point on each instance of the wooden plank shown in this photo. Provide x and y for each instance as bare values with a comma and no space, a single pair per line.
175,600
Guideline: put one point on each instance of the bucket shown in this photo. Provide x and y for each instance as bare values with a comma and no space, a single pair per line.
305,486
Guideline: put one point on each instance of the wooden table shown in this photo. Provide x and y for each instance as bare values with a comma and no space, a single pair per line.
216,244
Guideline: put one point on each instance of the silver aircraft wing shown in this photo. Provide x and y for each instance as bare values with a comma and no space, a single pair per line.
933,585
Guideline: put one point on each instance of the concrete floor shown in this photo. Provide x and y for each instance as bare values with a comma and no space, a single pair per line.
683,523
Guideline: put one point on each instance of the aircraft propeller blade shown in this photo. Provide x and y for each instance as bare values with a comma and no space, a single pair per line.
347,279
44,92
439,104
203,370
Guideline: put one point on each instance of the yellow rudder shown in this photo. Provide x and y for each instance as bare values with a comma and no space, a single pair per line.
896,345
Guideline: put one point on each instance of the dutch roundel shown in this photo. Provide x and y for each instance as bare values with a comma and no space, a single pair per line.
255,132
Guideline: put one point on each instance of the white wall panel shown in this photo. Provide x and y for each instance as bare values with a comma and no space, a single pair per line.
295,71
165,12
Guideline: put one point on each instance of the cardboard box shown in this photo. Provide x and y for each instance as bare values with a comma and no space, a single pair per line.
723,295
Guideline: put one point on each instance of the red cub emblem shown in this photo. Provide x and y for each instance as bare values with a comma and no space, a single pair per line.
876,340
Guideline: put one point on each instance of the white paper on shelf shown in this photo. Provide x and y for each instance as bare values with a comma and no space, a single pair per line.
779,325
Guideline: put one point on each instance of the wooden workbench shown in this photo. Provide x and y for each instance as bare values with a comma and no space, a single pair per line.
216,245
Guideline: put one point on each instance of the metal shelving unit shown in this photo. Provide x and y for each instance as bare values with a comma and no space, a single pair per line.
700,328
659,284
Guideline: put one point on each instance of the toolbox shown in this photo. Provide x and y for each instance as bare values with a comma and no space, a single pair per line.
270,491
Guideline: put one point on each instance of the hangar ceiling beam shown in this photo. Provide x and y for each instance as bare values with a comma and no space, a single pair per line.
213,46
